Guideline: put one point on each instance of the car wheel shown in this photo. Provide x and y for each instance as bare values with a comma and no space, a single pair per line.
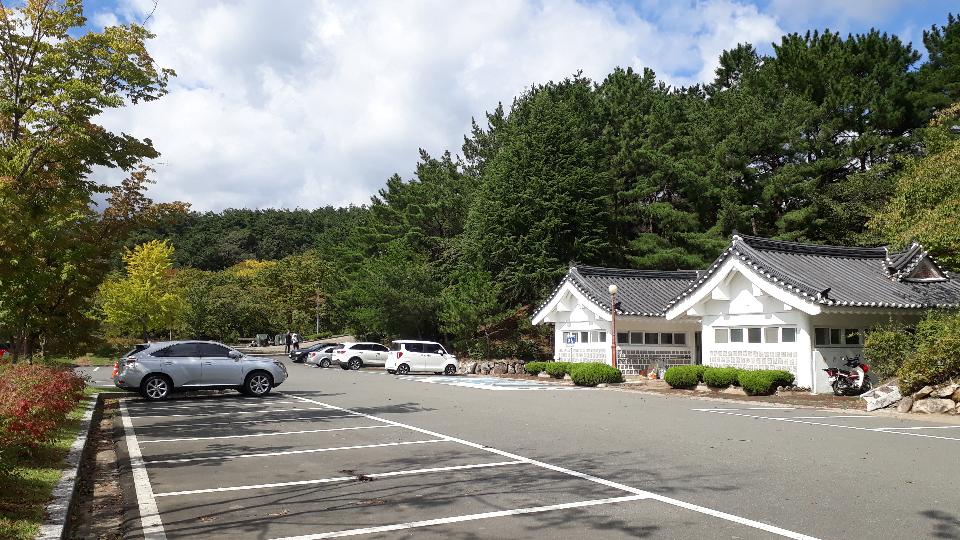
156,388
355,363
344,366
258,384
324,363
403,369
450,370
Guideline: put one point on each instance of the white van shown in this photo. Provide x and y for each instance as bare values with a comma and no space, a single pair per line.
423,356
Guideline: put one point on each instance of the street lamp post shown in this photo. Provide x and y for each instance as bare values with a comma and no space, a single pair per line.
613,324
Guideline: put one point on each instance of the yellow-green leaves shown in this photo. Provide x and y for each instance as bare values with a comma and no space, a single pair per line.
144,299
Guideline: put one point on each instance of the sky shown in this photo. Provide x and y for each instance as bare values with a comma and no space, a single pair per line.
309,103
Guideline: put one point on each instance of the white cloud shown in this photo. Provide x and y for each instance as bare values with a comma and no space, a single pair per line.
312,103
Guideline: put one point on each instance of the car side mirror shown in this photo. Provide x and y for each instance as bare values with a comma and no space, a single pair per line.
235,355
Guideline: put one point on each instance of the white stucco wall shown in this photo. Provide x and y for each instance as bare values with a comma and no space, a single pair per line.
742,305
572,313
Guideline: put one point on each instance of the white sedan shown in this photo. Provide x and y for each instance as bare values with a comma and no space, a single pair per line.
422,356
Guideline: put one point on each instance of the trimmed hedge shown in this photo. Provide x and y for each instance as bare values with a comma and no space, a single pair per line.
683,376
557,369
534,368
719,377
594,373
763,382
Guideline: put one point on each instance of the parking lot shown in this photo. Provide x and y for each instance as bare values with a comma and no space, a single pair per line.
342,453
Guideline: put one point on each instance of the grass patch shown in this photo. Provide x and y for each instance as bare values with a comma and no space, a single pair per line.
86,360
27,479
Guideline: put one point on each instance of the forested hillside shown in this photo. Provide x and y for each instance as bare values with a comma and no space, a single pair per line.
808,144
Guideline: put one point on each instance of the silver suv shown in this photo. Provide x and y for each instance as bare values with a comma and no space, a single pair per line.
158,369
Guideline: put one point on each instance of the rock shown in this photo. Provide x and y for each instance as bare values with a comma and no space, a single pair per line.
956,395
485,369
945,391
923,392
567,377
499,369
602,385
882,396
934,406
905,404
703,388
511,369
544,375
473,368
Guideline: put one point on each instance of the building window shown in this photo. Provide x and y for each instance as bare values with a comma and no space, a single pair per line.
788,335
721,335
822,336
771,334
838,336
736,335
651,338
753,335
567,336
584,337
623,338
666,339
679,339
636,338
601,337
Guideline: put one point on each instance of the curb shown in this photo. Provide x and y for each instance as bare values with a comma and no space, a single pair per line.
62,497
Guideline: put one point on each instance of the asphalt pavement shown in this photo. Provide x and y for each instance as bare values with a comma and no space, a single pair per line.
334,453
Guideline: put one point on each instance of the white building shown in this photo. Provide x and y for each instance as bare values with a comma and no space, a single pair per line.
763,304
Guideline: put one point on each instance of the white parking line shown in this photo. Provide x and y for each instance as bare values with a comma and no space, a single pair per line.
290,452
857,428
460,519
826,417
150,522
339,479
265,421
218,404
918,427
275,434
750,409
639,493
261,411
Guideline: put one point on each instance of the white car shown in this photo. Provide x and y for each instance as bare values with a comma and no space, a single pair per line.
424,356
321,357
357,355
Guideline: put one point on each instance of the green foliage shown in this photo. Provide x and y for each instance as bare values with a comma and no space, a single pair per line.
534,368
763,382
144,299
594,373
683,377
557,369
886,348
715,377
935,357
925,206
55,247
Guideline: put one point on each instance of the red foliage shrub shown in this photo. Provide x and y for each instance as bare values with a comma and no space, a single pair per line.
34,402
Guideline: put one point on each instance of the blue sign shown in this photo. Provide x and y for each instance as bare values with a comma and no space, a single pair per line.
570,339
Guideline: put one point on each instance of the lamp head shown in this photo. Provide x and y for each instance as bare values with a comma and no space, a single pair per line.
612,289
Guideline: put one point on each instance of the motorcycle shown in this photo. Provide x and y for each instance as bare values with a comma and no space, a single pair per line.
850,382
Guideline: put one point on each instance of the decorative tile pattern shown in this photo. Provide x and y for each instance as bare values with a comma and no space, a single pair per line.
785,360
630,361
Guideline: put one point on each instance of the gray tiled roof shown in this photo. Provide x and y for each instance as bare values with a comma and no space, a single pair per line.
840,276
642,293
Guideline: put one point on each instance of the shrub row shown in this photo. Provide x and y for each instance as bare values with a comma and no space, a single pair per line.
34,402
754,382
534,368
557,369
594,373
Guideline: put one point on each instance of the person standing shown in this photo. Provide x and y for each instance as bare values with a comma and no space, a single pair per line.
287,340
296,341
